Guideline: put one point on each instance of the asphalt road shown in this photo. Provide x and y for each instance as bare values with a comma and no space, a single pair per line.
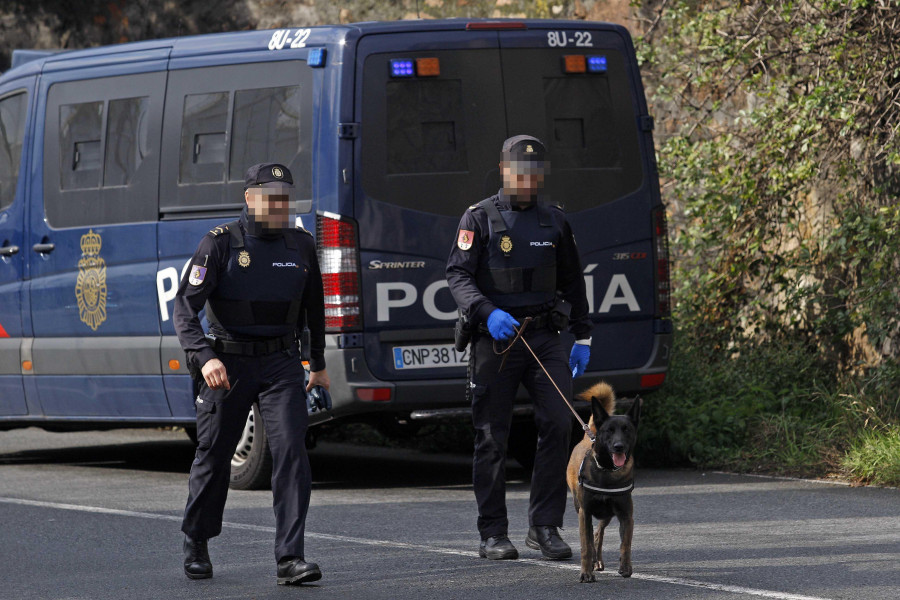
97,515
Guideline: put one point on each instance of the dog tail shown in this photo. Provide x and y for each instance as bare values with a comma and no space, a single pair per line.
604,394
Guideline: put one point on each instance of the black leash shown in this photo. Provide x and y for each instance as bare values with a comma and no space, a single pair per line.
519,332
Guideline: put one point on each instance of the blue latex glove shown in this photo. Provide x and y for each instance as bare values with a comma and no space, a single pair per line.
578,359
501,324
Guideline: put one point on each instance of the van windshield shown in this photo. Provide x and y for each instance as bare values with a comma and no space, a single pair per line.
432,143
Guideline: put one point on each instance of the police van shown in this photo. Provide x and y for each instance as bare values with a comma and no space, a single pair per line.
115,161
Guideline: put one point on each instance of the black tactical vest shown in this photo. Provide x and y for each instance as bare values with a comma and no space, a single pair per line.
521,256
259,293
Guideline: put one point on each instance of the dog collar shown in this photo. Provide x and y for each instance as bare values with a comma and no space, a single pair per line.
606,491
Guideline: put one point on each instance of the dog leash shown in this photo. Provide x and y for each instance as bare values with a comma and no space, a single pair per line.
519,331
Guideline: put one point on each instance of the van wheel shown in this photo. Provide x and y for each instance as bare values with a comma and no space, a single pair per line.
251,465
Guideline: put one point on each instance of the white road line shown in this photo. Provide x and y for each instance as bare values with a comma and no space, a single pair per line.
733,589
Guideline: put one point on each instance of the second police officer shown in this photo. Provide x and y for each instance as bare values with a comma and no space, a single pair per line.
259,279
515,257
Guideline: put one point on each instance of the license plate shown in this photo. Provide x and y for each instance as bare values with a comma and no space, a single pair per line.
429,357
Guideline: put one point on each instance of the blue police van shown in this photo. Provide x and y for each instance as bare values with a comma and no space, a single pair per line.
114,161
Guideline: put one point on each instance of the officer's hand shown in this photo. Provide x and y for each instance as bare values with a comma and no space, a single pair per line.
318,378
579,358
214,374
501,324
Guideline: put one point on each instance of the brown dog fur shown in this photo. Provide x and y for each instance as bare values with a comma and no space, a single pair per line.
590,504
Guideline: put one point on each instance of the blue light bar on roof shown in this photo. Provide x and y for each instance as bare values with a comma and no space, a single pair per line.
316,57
402,67
596,64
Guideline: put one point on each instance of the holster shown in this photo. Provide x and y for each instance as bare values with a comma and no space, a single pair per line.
559,314
462,332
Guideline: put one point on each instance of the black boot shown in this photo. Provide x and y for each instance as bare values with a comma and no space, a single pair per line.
547,540
497,547
196,559
294,571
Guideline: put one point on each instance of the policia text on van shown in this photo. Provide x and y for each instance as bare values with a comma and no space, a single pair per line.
115,160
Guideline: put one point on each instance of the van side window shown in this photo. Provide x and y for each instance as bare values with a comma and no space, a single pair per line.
222,119
203,137
127,139
101,150
266,123
12,134
80,132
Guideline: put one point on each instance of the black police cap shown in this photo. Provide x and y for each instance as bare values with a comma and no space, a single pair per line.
524,147
267,173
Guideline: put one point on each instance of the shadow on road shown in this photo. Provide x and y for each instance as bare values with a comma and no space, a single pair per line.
334,465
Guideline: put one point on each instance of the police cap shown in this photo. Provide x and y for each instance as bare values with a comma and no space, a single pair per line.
524,147
264,173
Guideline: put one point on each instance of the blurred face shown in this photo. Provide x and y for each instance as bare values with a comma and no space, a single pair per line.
523,180
270,208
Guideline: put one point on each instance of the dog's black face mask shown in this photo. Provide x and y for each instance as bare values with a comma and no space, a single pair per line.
616,436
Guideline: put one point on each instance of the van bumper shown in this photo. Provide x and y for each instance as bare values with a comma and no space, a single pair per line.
425,399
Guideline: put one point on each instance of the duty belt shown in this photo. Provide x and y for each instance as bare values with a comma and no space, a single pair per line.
257,348
537,322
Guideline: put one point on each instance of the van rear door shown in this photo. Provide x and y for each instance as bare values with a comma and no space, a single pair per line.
14,103
432,121
432,124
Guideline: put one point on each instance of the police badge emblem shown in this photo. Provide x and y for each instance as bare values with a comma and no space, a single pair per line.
198,274
244,259
464,241
90,286
506,244
277,172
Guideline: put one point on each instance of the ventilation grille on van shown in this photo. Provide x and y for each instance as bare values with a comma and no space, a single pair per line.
339,262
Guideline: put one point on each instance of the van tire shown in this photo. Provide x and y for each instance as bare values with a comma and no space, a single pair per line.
251,465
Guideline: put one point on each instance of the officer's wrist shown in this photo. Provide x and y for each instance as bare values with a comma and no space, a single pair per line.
585,342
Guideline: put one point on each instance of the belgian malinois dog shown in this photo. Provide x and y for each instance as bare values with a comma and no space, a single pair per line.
601,477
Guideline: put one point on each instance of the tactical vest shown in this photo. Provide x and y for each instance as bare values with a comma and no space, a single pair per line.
521,257
259,293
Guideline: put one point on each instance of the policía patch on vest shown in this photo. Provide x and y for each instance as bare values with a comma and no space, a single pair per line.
198,274
464,241
506,244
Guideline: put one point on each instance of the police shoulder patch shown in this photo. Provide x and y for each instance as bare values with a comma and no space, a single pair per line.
474,206
217,231
304,230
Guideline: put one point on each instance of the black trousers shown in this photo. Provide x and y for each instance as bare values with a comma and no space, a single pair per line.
276,381
493,394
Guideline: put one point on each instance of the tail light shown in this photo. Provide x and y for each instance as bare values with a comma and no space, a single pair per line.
661,251
339,262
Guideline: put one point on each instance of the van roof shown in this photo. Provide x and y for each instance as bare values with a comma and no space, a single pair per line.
243,41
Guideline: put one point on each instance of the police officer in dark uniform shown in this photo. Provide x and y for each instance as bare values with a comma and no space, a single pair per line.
515,257
258,278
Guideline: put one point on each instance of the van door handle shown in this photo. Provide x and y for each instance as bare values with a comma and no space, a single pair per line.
43,248
9,250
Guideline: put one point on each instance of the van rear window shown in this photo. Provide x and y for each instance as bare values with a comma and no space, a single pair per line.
450,127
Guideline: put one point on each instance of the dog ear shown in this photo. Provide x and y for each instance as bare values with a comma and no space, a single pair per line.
600,414
635,411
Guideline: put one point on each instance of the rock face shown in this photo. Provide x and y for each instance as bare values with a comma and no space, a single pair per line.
50,24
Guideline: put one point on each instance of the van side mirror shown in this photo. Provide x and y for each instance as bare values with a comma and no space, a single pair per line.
304,207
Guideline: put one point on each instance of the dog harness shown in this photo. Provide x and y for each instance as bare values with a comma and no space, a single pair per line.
606,491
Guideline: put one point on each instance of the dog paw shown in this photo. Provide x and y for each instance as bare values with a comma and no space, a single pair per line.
587,577
598,566
625,570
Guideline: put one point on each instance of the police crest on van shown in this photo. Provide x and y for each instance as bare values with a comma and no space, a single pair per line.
90,287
